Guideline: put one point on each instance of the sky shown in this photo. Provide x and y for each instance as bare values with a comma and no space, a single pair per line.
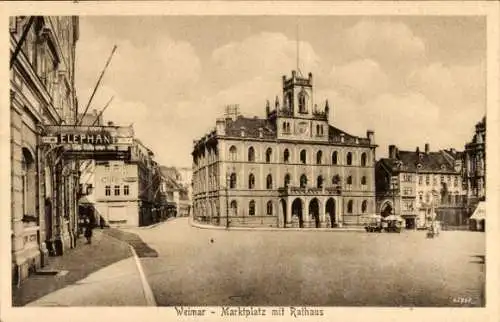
411,79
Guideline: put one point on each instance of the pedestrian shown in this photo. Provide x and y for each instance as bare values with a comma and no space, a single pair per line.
88,230
101,222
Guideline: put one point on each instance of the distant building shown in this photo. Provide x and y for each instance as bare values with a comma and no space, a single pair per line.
475,165
418,184
289,169
175,191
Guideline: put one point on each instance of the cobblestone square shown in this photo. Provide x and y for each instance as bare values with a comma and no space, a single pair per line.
217,267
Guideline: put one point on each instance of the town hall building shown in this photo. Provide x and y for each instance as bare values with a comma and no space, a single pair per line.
289,169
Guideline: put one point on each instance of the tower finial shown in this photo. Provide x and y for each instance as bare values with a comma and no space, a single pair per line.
298,49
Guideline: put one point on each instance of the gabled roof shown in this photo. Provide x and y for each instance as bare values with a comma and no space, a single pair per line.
411,161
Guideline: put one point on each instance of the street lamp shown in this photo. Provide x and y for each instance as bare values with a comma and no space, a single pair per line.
228,181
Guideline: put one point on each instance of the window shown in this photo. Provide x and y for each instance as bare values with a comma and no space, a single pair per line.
427,180
269,153
349,206
303,181
234,208
319,157
442,178
303,156
90,187
302,103
349,180
334,157
427,197
434,180
319,130
29,186
420,197
125,190
251,154
251,181
420,179
251,208
349,158
364,206
269,208
336,179
233,153
287,180
455,183
107,190
363,180
319,182
269,182
363,159
232,181
286,156
117,190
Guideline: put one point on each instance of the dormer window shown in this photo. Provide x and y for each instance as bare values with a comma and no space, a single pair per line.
419,166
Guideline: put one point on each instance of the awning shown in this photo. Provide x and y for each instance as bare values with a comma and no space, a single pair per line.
86,200
480,212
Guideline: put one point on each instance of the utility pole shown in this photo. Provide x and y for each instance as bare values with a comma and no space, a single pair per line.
96,86
20,43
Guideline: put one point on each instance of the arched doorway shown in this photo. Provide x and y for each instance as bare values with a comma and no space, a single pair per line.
386,209
314,211
297,211
282,214
330,210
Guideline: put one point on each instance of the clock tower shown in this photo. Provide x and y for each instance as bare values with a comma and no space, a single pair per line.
299,117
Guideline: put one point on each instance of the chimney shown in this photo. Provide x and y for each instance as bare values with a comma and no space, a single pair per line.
427,149
310,78
417,150
392,151
268,108
294,74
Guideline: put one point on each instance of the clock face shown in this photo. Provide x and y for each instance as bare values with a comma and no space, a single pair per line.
302,127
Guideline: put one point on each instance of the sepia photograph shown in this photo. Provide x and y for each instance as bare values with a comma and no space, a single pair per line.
228,165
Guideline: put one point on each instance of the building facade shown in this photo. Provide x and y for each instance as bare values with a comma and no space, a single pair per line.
175,193
122,192
475,165
177,188
289,169
44,184
421,186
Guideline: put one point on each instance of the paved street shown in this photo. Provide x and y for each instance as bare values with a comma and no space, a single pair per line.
313,268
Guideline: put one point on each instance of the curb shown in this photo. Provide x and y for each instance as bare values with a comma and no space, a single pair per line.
146,288
212,227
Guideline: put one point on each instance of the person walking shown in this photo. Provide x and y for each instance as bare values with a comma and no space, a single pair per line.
88,230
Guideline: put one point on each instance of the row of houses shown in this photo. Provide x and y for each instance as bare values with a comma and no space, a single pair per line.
292,168
133,192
